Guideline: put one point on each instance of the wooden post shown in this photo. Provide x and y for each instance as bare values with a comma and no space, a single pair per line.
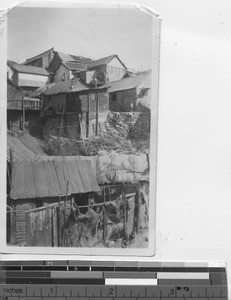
125,214
59,224
97,113
104,217
23,113
137,211
11,164
12,226
87,115
65,202
64,104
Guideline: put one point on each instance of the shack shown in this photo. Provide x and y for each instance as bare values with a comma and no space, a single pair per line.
21,110
72,109
120,211
38,184
126,95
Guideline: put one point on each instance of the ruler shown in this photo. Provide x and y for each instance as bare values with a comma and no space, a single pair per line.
86,280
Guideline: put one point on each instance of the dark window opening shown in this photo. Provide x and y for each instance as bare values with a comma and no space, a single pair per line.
113,97
39,203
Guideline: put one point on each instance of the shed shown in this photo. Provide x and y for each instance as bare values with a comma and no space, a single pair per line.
39,183
125,94
81,105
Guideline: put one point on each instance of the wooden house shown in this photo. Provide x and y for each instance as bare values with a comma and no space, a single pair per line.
72,108
62,66
20,109
27,77
41,60
130,94
106,69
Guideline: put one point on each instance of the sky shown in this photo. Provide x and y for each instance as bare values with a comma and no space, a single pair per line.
93,33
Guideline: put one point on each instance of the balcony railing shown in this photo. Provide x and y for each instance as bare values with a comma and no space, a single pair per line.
29,104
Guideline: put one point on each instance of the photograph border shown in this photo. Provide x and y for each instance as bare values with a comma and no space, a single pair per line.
150,251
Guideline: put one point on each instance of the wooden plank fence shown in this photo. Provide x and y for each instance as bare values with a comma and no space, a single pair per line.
62,225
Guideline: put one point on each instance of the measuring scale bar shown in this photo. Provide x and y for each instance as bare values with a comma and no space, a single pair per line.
92,280
132,281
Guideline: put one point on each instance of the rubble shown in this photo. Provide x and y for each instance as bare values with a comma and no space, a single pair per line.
124,133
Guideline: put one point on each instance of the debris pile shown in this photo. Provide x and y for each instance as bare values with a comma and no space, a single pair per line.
124,133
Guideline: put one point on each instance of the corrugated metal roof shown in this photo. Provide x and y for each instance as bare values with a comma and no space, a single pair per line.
19,150
29,69
112,168
24,147
49,179
103,61
31,142
127,83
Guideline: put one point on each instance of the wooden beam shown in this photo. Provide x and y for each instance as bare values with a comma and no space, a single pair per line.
97,113
23,113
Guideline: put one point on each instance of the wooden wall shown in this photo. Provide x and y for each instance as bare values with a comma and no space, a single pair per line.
121,101
20,221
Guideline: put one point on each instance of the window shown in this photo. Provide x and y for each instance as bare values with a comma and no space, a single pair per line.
113,97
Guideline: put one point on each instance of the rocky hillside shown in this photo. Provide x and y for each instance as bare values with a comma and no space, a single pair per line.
124,132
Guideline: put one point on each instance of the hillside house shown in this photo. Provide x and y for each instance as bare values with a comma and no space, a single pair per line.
130,94
73,106
27,77
62,66
41,60
19,107
103,70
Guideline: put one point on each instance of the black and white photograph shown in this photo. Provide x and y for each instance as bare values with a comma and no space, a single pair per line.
81,129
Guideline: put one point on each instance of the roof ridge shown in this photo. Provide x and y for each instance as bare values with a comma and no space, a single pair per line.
33,57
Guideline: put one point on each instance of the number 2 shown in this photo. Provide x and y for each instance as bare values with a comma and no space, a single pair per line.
110,291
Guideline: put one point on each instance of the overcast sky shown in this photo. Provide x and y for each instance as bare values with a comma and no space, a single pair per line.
93,33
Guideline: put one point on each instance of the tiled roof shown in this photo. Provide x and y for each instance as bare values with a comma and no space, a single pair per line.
65,87
28,69
103,61
49,178
41,90
74,65
69,57
127,83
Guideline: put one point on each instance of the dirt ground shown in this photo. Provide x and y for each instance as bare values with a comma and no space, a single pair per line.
141,240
